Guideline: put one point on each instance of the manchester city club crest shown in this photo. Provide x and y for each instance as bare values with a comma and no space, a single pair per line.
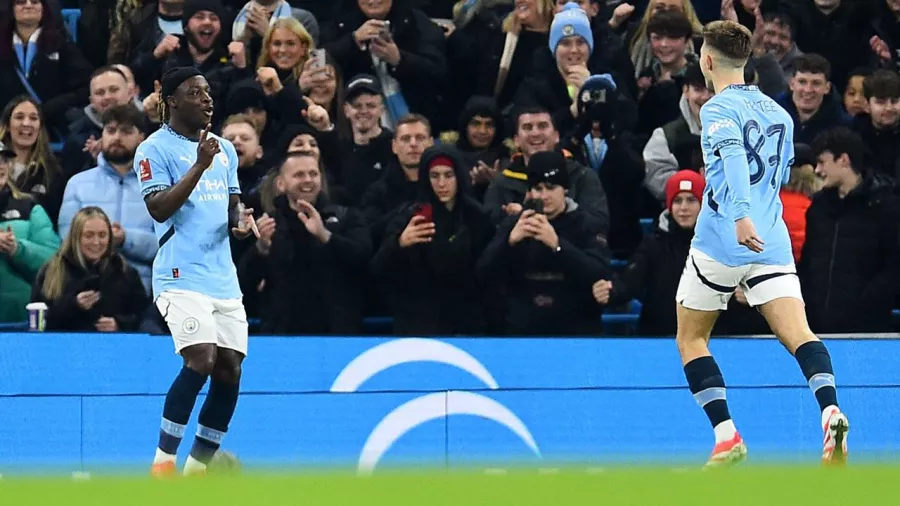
568,30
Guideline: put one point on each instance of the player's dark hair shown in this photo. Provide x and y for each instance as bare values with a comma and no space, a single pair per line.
530,109
812,63
782,19
843,141
882,84
125,115
162,110
414,118
673,24
729,39
107,69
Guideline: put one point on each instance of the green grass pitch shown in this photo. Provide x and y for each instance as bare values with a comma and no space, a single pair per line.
749,485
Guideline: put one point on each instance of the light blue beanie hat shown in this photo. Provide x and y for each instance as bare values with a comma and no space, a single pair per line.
572,20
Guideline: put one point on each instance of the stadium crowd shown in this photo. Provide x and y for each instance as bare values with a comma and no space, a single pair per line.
472,167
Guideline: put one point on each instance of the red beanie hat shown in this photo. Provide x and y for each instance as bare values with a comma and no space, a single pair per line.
684,181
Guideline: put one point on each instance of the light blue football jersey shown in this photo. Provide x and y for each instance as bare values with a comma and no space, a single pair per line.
194,248
748,149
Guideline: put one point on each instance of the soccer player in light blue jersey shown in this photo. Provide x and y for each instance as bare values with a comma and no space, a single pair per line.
189,182
742,243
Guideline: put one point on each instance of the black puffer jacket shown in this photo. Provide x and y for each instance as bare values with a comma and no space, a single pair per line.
122,295
433,286
310,287
548,292
850,264
883,143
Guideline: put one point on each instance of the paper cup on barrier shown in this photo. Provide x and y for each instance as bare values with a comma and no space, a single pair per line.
37,316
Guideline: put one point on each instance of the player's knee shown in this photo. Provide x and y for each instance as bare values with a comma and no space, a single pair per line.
202,360
227,371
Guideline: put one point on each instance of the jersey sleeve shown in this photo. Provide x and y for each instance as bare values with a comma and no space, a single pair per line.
725,137
152,169
234,186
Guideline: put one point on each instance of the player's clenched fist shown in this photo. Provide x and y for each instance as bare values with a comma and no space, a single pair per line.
206,149
601,291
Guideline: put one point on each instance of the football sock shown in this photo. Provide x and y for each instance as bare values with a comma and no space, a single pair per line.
177,410
215,415
706,383
815,362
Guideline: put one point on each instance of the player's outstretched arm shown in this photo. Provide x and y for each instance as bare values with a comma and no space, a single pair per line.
163,204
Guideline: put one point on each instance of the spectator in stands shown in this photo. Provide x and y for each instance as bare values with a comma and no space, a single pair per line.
311,257
152,34
109,88
242,131
850,267
248,98
27,240
535,133
398,187
367,152
812,103
133,89
38,58
130,20
855,102
491,56
430,250
778,41
204,46
256,20
655,269
103,30
604,144
285,48
113,187
325,87
35,171
796,196
480,138
609,51
87,285
880,128
637,35
886,41
546,262
669,36
559,74
672,146
397,43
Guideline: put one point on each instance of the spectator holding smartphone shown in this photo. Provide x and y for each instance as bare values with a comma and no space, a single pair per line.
428,256
547,258
87,285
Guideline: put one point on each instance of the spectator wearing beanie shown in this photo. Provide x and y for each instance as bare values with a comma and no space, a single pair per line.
430,250
555,82
546,259
605,146
480,137
654,270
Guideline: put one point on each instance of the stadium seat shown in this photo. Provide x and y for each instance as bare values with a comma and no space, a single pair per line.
70,18
647,225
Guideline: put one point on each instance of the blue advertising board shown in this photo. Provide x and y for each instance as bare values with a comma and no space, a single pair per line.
93,401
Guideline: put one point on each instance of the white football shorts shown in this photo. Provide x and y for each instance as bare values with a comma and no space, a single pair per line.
707,285
194,318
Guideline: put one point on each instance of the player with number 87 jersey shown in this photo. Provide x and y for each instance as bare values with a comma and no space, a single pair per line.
748,148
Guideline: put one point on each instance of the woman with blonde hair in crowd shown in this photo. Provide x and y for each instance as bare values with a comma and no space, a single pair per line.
636,36
286,47
87,285
35,170
27,240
